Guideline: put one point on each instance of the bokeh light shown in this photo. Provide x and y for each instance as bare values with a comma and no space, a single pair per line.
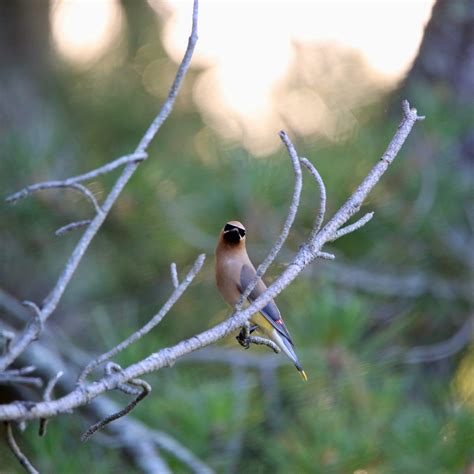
83,30
252,54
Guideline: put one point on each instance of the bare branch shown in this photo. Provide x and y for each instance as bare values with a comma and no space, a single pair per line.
174,275
23,371
24,461
73,181
155,320
19,376
261,341
167,356
81,188
129,434
100,424
37,312
72,226
52,300
295,201
322,196
353,227
6,378
47,397
325,256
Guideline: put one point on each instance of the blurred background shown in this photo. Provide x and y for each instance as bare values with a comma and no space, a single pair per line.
384,332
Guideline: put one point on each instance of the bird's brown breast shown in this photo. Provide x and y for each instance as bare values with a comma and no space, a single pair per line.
227,275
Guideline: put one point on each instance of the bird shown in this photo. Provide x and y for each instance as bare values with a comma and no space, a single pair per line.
234,271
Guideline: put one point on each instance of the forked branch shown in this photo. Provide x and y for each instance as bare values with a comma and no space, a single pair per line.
308,252
131,163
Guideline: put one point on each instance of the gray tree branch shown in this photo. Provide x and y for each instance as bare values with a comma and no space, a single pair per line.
22,341
165,357
12,444
154,321
322,195
295,201
140,441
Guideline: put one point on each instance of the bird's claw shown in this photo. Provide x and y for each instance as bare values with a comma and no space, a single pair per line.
243,338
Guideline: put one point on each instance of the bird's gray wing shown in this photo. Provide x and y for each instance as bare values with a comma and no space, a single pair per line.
270,311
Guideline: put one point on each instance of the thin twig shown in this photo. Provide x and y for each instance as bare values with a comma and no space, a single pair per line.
261,341
72,226
57,185
100,424
15,449
47,397
174,275
325,255
37,321
322,196
52,300
112,367
353,227
295,200
156,319
9,379
33,328
71,182
23,371
81,188
19,376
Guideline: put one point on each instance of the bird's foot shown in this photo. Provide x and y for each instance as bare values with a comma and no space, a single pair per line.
243,338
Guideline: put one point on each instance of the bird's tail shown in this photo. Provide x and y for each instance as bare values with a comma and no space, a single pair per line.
287,348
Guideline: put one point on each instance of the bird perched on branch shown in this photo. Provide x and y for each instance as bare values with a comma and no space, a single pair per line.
234,272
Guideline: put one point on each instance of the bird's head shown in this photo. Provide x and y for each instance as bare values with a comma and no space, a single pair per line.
233,233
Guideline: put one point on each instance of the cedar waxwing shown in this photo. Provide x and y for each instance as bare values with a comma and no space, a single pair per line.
234,271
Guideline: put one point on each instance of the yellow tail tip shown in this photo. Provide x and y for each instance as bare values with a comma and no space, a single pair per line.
303,375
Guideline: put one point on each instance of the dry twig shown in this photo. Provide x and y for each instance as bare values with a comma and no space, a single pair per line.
12,444
174,275
322,195
263,267
47,397
146,389
155,320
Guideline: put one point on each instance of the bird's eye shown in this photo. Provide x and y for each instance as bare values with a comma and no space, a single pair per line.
241,232
228,227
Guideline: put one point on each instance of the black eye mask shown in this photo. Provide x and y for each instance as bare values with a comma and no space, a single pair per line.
233,233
